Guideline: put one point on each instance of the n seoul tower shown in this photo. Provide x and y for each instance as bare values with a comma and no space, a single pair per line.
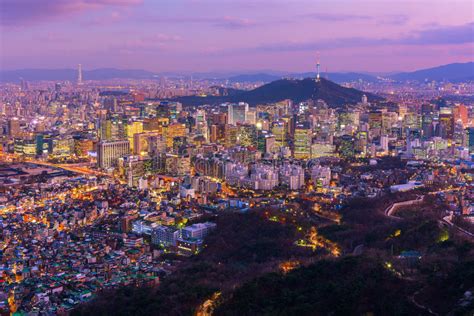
318,66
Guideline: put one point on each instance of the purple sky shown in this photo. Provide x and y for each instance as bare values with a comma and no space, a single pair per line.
236,35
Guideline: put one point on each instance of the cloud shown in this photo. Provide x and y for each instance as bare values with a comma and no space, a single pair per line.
396,19
228,22
459,34
21,12
336,17
106,19
393,19
441,35
234,23
151,43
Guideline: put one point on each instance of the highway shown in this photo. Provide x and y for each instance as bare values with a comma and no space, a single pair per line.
81,169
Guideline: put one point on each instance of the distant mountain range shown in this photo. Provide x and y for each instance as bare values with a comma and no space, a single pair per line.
71,74
293,89
456,72
452,72
339,77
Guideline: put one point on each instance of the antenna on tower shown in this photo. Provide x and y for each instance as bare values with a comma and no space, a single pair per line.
318,66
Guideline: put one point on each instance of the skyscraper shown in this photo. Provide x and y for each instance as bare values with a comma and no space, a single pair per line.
109,151
14,127
302,142
79,74
470,138
237,113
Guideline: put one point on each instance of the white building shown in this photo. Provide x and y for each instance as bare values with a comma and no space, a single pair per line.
163,235
292,176
322,175
198,231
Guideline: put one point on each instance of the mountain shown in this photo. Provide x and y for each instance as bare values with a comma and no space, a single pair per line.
293,89
260,77
452,72
71,74
338,77
222,91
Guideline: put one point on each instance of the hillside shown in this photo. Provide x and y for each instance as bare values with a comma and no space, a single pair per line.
350,286
293,89
452,72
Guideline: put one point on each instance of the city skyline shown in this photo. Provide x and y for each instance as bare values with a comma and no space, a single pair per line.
205,36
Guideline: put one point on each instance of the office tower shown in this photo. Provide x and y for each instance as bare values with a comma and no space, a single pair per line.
237,113
348,120
155,124
346,146
201,123
302,142
279,131
470,138
446,123
109,151
251,117
460,113
141,142
412,121
14,127
213,136
82,146
266,142
247,135
172,131
322,149
156,145
230,135
375,119
402,111
131,129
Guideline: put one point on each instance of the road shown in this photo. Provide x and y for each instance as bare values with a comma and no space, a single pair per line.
392,208
80,168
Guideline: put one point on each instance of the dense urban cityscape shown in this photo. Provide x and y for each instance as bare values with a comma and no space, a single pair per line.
311,192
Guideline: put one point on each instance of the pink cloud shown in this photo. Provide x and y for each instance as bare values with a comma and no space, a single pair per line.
20,12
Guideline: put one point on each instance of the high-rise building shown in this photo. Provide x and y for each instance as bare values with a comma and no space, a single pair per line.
470,139
172,131
280,133
460,113
109,151
346,146
79,74
375,119
14,127
302,142
237,113
201,123
213,136
230,135
131,129
247,135
446,123
262,141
